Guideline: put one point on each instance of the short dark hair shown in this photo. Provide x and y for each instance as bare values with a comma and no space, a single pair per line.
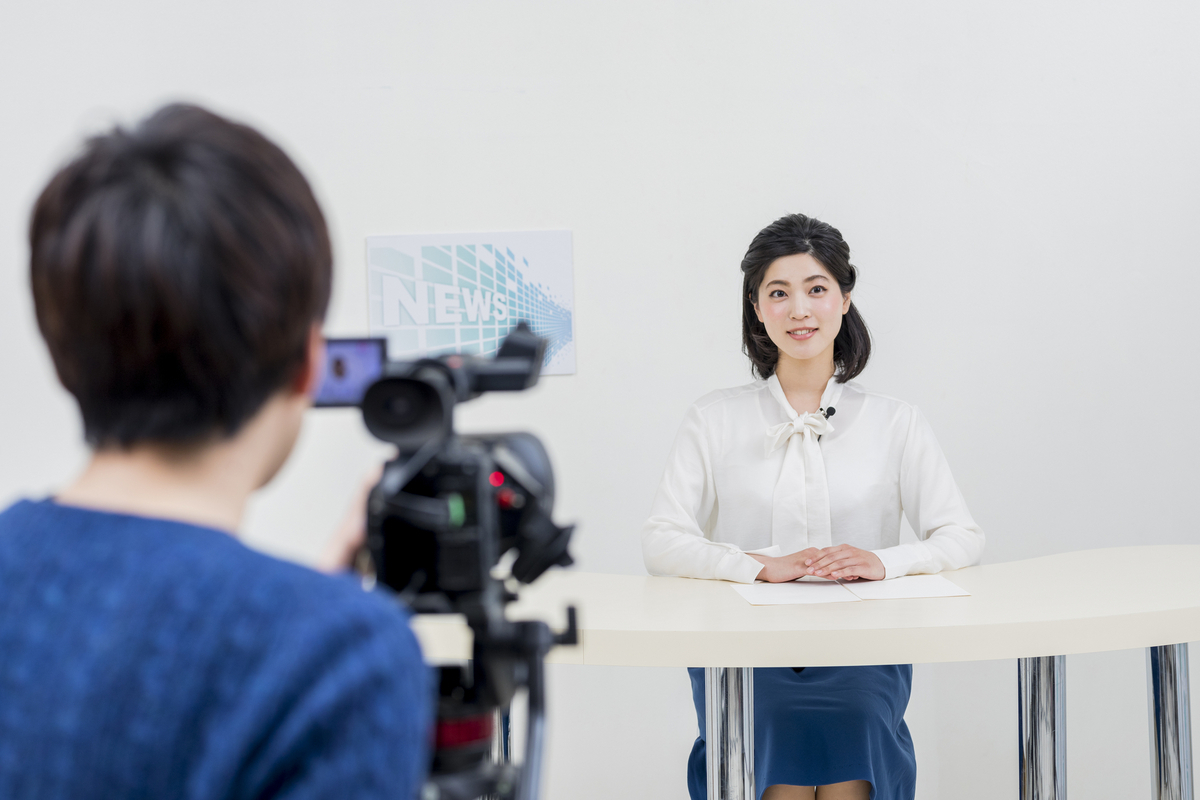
789,236
177,270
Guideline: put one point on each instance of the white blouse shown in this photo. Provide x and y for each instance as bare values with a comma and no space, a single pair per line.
749,474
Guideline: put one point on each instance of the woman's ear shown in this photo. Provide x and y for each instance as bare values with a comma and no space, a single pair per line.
846,303
757,313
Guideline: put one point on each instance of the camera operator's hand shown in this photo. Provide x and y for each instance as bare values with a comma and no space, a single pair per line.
352,532
780,569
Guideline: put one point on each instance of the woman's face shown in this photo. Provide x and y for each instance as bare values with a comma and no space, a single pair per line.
801,306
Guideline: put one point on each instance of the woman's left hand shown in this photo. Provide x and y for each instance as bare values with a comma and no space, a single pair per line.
848,563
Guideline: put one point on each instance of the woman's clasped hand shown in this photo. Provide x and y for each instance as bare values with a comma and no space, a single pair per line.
840,562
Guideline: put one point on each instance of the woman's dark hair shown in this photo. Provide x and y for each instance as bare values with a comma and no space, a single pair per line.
177,271
788,236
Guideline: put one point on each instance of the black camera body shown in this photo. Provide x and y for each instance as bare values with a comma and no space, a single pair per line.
445,514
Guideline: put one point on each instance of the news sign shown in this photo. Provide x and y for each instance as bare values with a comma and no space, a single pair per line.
433,294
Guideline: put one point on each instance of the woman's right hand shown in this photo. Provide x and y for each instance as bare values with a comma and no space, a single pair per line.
785,568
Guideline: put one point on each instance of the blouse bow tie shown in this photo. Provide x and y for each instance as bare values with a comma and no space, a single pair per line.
804,425
800,512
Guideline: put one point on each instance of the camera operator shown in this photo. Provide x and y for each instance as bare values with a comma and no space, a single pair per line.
180,274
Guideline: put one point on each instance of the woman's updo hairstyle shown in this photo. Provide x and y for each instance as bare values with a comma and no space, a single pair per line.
788,236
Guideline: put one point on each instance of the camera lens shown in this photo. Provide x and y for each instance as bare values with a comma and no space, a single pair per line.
402,408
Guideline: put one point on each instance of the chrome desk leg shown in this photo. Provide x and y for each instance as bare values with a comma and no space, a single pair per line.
1042,724
1170,722
729,734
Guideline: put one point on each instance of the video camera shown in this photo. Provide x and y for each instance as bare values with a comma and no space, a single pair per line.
445,513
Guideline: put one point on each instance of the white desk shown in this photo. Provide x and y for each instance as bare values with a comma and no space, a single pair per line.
1036,611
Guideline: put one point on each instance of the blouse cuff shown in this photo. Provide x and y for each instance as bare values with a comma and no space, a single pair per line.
739,567
905,559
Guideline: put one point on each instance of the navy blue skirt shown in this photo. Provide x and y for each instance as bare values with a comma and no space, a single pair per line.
824,725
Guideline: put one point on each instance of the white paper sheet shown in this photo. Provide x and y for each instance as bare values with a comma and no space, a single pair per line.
815,591
908,587
795,593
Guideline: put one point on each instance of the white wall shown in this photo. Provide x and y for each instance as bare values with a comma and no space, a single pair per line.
1017,181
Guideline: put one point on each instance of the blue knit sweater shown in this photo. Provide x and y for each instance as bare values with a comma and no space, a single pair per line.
142,658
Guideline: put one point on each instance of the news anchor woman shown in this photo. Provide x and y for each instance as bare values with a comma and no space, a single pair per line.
805,472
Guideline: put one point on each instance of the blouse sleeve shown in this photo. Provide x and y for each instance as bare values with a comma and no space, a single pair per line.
935,508
673,541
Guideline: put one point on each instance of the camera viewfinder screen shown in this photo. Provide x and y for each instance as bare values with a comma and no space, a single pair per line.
351,366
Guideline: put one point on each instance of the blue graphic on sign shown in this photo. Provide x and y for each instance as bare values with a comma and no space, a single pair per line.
459,299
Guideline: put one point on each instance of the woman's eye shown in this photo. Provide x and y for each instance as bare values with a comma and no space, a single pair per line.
818,290
778,293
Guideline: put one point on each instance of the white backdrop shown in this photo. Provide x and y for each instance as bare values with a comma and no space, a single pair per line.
1017,182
